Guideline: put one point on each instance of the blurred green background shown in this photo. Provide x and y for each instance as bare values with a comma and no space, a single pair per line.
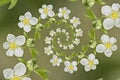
109,68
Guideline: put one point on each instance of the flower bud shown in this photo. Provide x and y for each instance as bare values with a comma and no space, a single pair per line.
92,44
32,65
88,3
97,24
30,42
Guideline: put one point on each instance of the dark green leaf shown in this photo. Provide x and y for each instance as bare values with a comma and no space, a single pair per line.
33,52
37,35
13,3
90,14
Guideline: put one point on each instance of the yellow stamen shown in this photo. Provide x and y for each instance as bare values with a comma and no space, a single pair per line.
71,67
64,12
56,61
114,15
45,10
90,62
16,78
26,21
13,45
108,45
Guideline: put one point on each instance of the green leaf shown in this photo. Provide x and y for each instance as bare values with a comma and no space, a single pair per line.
90,14
4,2
84,48
91,34
37,35
13,3
42,73
33,52
73,0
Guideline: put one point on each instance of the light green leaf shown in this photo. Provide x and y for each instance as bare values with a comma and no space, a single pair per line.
13,3
4,2
73,0
42,73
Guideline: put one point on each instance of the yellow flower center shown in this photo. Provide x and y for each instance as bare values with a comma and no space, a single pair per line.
90,62
16,78
26,21
64,12
13,45
114,15
71,67
108,45
75,20
45,10
56,61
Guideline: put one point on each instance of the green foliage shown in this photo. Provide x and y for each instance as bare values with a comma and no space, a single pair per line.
13,3
90,14
42,73
4,2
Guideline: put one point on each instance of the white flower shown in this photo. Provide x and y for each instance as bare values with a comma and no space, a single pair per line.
60,45
90,63
13,45
76,41
64,12
71,46
58,30
70,66
107,46
46,11
79,32
17,73
113,16
52,33
63,30
65,47
48,40
48,50
75,21
56,61
26,21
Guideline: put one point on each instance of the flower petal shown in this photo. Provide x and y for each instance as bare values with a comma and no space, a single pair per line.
20,40
8,73
96,61
108,23
26,78
100,48
105,38
91,56
6,45
27,28
106,10
20,69
28,14
10,52
114,47
21,24
84,61
117,23
108,53
19,52
115,7
10,37
43,16
93,67
87,68
51,14
33,21
74,63
21,18
113,40
67,63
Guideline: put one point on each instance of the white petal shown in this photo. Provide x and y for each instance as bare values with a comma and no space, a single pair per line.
44,6
96,61
113,40
106,10
10,37
21,24
108,23
26,78
105,38
115,7
84,61
114,47
27,28
50,7
71,71
100,48
43,16
117,23
10,52
20,40
54,57
87,68
75,68
19,52
93,67
6,45
8,73
74,63
59,15
33,21
28,14
51,14
66,16
66,69
108,53
20,69
67,63
91,56
40,10
21,18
